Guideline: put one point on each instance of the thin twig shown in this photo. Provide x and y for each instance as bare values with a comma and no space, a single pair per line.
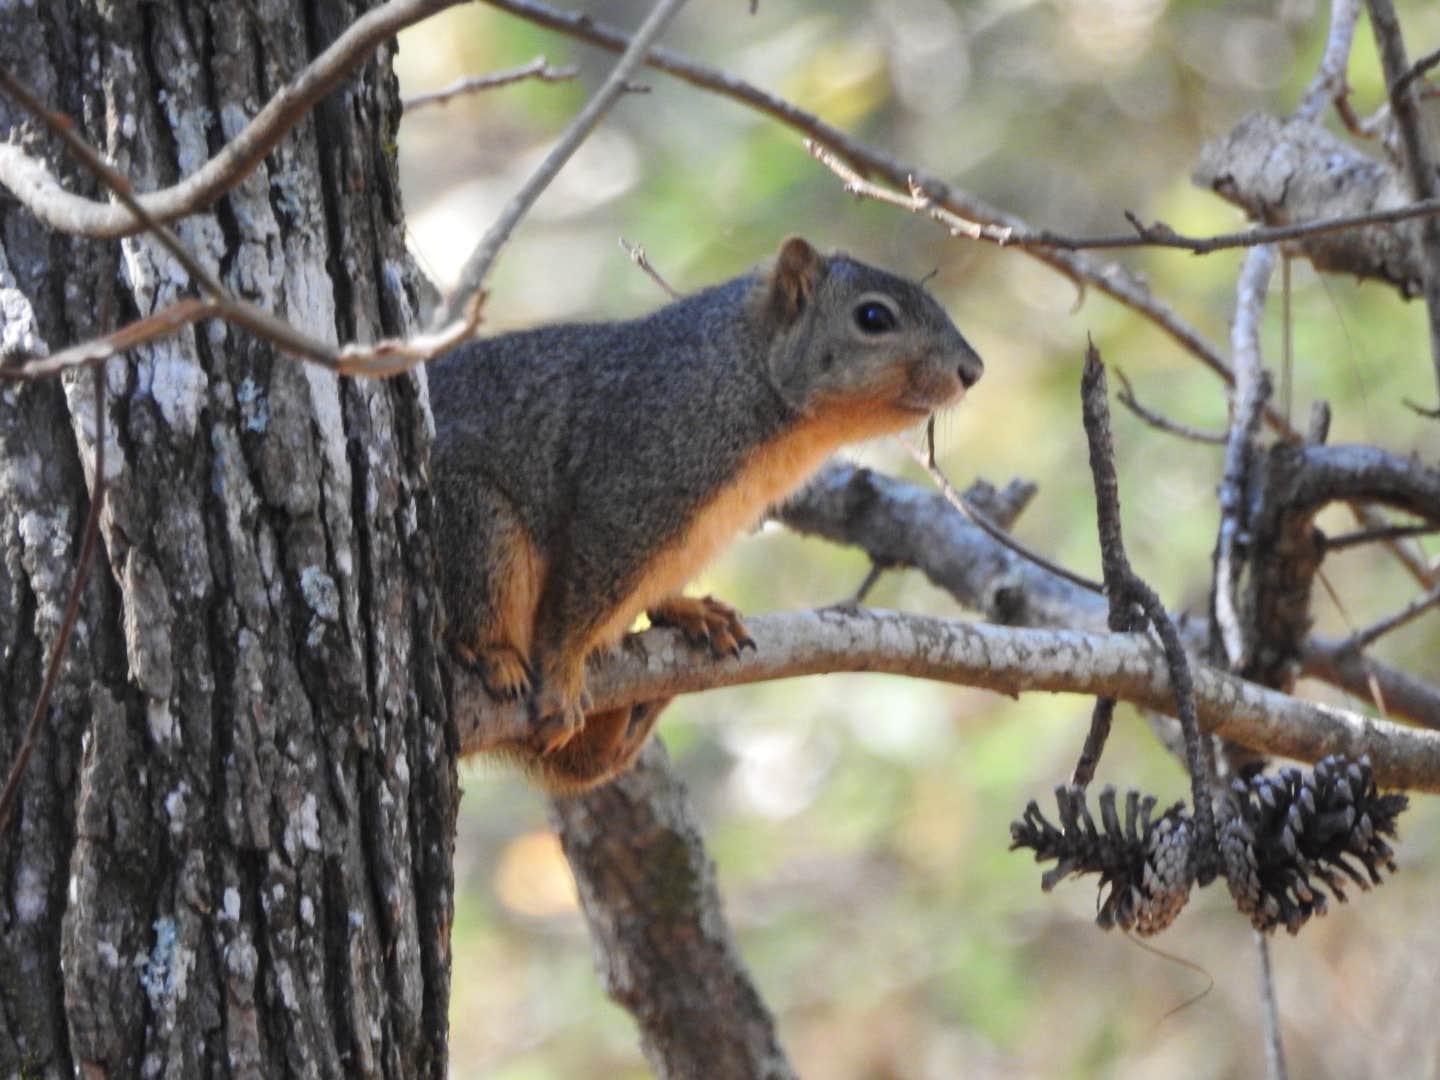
1157,235
42,194
1363,638
640,259
978,518
72,612
477,266
1127,398
1383,533
1127,591
1110,278
1417,70
1270,1013
166,321
382,358
1419,154
538,69
235,310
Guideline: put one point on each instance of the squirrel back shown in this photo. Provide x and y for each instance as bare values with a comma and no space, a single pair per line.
585,472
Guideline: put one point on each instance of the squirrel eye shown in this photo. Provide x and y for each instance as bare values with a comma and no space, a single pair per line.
873,317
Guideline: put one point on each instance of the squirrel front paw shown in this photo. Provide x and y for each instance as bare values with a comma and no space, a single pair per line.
704,621
501,668
556,717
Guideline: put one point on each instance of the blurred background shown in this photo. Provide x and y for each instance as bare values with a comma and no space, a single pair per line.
860,823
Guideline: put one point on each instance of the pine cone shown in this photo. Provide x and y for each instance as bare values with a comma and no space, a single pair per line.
1281,834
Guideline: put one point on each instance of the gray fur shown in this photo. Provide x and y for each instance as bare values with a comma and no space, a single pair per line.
602,440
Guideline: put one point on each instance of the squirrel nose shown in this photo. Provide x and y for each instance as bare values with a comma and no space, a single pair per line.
970,369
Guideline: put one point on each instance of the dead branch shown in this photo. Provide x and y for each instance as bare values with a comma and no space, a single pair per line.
1157,235
1328,83
1252,389
1283,171
1127,398
1419,154
538,69
33,185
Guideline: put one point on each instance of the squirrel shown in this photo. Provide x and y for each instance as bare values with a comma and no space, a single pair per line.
583,473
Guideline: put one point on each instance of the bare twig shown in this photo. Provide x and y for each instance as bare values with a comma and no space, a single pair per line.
1132,602
477,266
1328,83
72,612
1419,155
42,194
1376,630
1270,1014
639,258
982,522
165,321
1130,667
1417,70
1382,533
1156,420
386,357
1408,555
1110,278
1251,391
538,69
1145,236
1365,677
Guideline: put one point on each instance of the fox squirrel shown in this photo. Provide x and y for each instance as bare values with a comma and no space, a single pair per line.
584,473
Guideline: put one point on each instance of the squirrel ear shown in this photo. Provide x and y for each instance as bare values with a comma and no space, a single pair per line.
795,277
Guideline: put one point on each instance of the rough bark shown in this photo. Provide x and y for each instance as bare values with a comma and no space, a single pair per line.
232,851
1283,172
662,945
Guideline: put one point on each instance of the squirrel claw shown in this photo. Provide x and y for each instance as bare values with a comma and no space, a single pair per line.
554,722
506,675
705,621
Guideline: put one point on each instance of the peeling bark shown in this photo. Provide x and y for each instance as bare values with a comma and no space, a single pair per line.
235,837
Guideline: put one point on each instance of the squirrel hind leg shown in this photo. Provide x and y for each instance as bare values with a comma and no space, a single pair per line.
704,621
491,597
606,746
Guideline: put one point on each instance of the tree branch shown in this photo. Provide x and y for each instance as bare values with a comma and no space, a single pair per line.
33,185
477,266
649,895
1110,278
538,69
1419,154
658,663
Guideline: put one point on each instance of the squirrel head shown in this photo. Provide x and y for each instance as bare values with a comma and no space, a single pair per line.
844,334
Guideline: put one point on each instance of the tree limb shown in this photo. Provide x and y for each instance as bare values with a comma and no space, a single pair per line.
658,663
33,185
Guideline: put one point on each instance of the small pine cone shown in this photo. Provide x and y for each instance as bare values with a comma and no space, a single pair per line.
1283,836
1146,865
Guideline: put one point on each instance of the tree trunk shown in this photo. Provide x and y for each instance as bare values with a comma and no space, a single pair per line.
232,850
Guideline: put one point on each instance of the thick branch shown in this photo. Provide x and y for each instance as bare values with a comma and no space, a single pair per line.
1285,171
663,947
658,663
